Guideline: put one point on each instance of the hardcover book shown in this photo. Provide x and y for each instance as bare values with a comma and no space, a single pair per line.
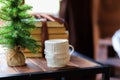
55,31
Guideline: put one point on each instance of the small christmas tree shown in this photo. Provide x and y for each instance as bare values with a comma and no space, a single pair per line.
15,33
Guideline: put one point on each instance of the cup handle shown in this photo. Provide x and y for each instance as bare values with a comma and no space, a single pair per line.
72,49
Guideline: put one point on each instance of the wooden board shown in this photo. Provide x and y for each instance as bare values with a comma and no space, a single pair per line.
40,65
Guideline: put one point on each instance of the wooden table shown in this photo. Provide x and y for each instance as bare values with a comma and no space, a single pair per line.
36,69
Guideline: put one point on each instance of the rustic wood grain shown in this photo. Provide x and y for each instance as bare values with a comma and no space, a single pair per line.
40,65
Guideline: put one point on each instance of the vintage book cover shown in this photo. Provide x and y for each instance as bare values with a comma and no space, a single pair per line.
51,30
28,55
52,36
49,24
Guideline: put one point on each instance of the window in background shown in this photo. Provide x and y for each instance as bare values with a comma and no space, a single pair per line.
44,6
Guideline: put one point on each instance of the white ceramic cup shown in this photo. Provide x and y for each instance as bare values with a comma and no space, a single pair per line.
57,52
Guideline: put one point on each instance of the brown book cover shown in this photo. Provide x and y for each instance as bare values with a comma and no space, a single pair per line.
51,30
49,24
52,36
29,54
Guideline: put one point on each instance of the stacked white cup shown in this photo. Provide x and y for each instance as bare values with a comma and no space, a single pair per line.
57,52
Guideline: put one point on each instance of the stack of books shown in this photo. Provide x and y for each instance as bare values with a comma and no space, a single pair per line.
55,31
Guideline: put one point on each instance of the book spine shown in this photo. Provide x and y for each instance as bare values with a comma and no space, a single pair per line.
51,30
29,54
50,24
52,36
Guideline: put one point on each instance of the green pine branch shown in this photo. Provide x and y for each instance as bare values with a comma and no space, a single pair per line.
16,31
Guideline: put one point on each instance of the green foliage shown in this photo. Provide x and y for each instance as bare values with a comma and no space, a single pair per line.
18,23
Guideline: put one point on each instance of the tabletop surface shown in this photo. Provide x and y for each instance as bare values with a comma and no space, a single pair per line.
40,65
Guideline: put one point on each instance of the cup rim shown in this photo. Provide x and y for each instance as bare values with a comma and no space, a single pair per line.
56,40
